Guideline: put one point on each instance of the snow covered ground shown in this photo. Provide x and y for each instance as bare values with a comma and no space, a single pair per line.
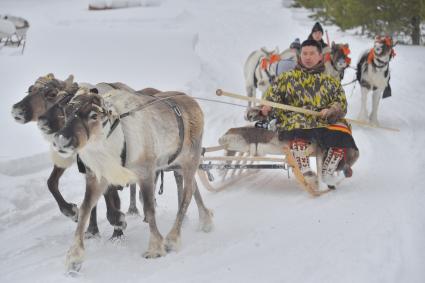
371,229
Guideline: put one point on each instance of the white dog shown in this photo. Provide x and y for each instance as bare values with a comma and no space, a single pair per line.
373,74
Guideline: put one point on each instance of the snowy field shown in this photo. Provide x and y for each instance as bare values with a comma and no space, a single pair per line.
371,229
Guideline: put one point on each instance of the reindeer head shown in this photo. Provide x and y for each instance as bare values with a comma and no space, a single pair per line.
383,46
268,67
339,56
54,118
45,92
86,116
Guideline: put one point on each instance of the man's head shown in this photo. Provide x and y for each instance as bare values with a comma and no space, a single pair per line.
296,44
311,53
317,32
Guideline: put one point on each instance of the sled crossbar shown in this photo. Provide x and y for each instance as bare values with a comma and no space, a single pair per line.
211,166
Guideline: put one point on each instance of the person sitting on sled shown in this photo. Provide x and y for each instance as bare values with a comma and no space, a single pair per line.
317,35
308,87
289,57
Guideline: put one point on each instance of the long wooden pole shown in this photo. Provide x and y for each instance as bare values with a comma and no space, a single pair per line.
220,92
327,38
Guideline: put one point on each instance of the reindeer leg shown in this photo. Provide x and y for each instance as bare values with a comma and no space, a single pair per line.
205,215
376,97
156,242
179,181
115,217
132,209
173,238
93,230
68,209
363,107
75,255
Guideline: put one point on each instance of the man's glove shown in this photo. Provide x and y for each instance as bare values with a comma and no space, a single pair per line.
332,114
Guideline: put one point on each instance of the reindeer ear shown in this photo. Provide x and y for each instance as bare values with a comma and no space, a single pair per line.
94,90
69,80
50,76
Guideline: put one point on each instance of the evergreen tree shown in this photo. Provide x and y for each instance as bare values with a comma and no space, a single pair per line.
373,16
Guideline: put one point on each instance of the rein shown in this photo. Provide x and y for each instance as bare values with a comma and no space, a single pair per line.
139,108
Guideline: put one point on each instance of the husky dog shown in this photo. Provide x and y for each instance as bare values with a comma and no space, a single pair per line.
260,70
373,74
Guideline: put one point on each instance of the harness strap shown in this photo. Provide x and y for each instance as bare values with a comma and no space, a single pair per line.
255,78
173,105
383,64
371,59
81,165
161,187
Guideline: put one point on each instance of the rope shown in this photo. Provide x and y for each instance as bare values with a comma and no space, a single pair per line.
353,81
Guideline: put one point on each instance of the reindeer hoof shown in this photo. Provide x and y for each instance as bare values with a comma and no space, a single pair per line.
172,244
154,254
117,234
92,235
74,268
70,211
132,210
73,273
206,223
74,259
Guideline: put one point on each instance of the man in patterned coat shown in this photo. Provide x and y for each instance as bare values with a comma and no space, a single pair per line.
308,87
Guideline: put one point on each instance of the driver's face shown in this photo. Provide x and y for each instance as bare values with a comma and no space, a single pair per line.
310,56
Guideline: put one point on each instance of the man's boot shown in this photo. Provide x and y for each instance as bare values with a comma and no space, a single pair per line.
299,151
330,163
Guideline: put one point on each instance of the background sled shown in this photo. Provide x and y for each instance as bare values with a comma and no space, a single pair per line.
13,32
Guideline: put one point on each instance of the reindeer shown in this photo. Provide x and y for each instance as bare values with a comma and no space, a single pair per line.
337,60
162,133
54,119
373,74
49,93
260,70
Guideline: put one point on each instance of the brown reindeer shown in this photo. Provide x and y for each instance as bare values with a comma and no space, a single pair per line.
54,119
162,133
52,94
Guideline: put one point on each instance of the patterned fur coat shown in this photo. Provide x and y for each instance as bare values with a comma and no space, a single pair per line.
310,89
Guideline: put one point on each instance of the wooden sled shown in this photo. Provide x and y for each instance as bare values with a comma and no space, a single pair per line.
247,150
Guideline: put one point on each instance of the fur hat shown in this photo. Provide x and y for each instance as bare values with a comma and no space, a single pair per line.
317,27
296,44
312,42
